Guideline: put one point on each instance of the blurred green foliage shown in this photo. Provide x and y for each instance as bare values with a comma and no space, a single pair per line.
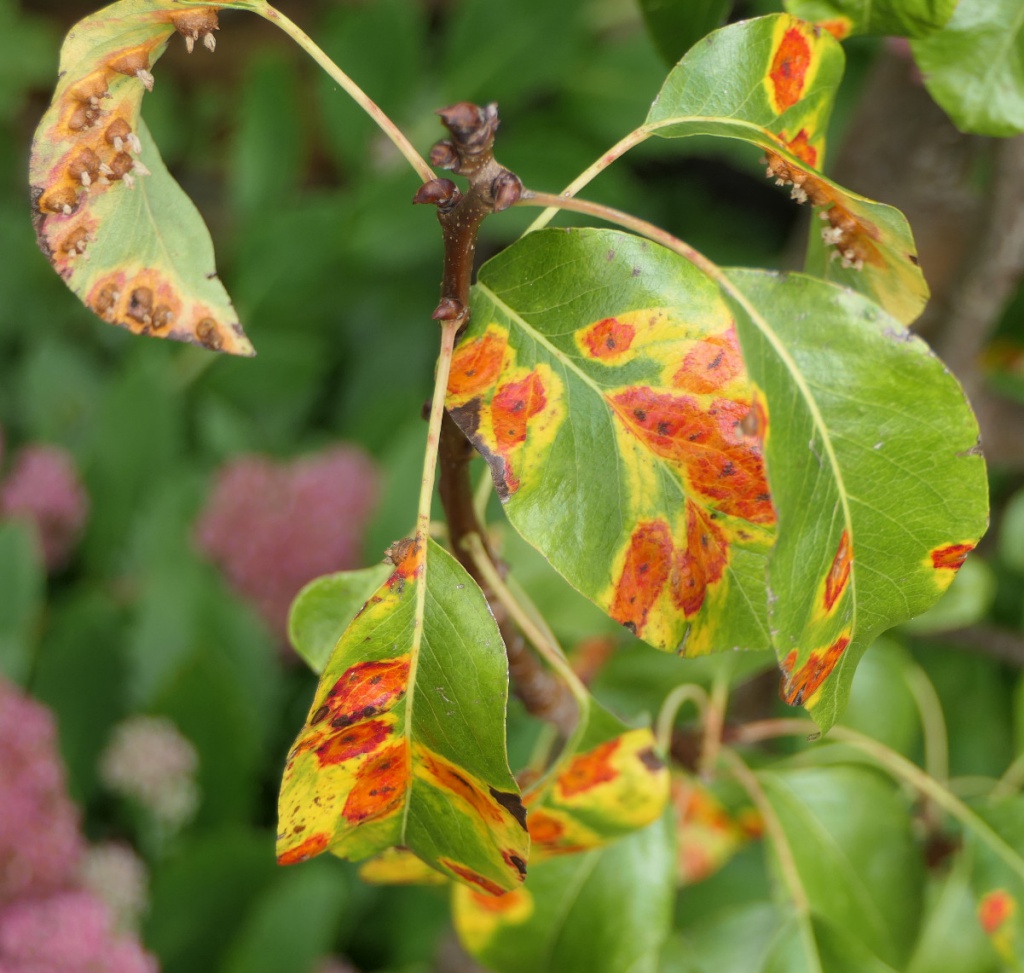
334,274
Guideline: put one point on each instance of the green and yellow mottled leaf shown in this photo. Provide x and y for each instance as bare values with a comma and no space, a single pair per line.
892,18
399,866
615,783
605,911
771,82
601,378
876,475
108,215
404,745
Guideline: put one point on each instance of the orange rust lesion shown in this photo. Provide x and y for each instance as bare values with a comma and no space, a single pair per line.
456,781
380,785
853,239
800,687
839,572
644,574
839,27
699,565
145,302
951,556
608,340
471,877
711,364
308,848
364,691
589,770
476,365
788,71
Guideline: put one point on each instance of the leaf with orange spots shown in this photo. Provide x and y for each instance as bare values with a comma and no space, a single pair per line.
604,911
404,745
876,475
771,81
615,782
886,18
109,217
615,412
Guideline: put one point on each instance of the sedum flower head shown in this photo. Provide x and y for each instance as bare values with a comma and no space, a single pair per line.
43,488
272,527
149,761
39,839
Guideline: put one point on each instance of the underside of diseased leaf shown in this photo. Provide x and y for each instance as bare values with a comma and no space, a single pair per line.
109,217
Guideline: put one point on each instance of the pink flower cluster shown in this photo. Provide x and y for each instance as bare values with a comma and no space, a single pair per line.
43,488
48,922
272,527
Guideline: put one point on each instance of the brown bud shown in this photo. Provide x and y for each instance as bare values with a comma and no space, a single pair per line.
506,190
209,334
442,193
443,155
448,309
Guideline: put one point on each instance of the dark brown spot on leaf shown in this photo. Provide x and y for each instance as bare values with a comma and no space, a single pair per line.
650,759
208,334
140,305
511,803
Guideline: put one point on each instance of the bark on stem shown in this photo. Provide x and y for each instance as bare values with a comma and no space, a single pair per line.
492,188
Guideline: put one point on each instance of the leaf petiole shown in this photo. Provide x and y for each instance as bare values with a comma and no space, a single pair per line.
387,126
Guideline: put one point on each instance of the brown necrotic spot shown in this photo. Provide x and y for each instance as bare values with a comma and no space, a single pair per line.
473,878
117,132
650,759
319,716
208,334
140,305
511,803
516,862
106,299
75,242
61,199
163,317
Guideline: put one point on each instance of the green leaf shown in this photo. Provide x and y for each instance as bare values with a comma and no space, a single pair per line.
604,911
601,379
676,25
1011,533
22,587
951,936
293,924
771,82
998,879
110,218
894,18
405,739
875,472
974,67
809,944
323,609
855,853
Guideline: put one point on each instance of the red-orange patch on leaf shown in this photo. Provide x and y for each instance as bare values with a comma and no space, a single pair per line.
379,786
366,690
788,71
839,27
839,573
589,769
951,557
719,460
608,339
701,563
711,364
310,848
544,829
807,680
644,574
476,365
800,146
513,405
468,875
995,909
448,777
352,742
498,903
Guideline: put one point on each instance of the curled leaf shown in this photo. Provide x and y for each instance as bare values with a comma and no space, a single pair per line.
109,217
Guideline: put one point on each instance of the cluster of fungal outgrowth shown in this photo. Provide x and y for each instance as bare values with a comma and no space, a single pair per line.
95,113
844,231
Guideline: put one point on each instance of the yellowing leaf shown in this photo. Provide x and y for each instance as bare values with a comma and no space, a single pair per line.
404,745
